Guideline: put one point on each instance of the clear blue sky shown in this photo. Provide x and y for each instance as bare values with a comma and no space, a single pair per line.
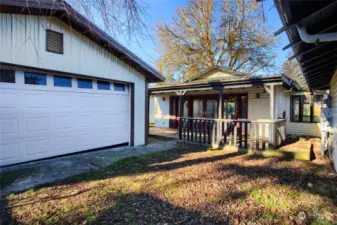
164,10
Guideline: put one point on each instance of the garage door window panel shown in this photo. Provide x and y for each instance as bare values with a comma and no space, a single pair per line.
35,78
7,76
84,83
103,85
61,81
119,87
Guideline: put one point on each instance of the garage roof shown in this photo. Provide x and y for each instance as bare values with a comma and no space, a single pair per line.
318,60
70,16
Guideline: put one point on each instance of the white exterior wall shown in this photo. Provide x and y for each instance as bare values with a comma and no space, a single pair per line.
162,111
23,42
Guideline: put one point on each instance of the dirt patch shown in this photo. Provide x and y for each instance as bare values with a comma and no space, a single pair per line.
189,185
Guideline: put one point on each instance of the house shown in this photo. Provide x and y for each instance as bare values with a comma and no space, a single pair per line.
256,99
312,33
65,85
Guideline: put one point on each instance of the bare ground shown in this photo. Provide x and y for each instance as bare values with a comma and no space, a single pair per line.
188,185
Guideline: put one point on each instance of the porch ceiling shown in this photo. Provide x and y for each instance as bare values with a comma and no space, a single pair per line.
318,60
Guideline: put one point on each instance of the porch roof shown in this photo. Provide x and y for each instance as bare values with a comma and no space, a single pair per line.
237,83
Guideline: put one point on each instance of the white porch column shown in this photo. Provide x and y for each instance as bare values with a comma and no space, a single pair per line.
271,139
272,102
271,91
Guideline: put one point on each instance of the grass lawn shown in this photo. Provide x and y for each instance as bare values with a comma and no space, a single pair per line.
185,186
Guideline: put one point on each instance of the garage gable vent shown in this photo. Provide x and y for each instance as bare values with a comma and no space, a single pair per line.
54,42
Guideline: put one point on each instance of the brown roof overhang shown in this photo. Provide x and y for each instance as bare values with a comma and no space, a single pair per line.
318,60
255,81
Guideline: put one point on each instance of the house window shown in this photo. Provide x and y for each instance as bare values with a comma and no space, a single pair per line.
84,83
119,87
54,42
35,78
61,81
306,109
318,100
7,76
103,85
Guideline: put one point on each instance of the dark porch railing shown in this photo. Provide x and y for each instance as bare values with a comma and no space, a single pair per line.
244,134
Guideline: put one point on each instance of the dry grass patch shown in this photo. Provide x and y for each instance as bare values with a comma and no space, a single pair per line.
188,185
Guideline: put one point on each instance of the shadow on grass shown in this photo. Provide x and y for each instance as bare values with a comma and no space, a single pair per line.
149,163
322,185
147,209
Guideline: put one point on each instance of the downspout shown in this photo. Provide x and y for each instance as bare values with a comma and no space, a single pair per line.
315,38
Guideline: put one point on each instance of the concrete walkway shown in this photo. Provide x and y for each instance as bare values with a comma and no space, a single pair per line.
21,177
164,132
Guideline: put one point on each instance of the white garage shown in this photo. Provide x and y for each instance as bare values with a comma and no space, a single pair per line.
44,115
65,85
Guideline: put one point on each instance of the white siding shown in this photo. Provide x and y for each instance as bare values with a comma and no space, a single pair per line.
23,42
215,74
258,108
162,111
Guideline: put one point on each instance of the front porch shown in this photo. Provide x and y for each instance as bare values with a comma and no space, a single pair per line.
247,116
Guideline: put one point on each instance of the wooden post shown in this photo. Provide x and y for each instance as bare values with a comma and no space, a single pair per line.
220,107
323,140
272,102
220,115
271,136
181,114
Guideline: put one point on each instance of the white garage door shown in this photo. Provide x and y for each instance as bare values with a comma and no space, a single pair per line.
50,118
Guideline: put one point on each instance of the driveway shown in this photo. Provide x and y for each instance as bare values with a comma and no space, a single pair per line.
20,177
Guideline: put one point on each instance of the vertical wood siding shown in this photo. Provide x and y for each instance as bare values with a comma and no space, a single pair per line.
23,42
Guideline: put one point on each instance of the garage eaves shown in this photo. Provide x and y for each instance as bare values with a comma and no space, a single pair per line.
64,12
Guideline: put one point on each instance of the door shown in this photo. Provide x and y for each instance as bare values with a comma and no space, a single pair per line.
211,109
230,107
42,120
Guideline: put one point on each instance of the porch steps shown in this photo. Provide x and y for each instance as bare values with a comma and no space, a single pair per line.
303,148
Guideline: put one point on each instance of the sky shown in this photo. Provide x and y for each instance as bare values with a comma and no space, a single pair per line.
164,10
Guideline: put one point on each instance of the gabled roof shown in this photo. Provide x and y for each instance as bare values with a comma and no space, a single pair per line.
64,12
234,75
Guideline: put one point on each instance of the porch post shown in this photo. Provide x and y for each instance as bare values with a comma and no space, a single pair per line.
272,102
272,140
181,110
220,106
181,113
219,123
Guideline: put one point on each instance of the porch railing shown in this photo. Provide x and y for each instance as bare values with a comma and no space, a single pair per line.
243,134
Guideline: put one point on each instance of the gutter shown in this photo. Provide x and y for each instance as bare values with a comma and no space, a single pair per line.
315,38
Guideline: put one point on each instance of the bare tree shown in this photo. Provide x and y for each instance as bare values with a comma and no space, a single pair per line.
292,69
206,33
126,17
117,17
